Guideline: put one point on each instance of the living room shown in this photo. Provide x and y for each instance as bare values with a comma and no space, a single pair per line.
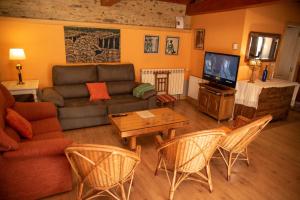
182,33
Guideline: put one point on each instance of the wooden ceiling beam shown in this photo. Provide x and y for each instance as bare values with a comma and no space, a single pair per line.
109,2
178,1
210,6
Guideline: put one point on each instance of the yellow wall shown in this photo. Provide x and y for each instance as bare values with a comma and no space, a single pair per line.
224,28
43,42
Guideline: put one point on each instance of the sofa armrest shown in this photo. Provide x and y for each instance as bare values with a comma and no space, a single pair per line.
39,148
33,111
149,94
51,95
152,102
136,83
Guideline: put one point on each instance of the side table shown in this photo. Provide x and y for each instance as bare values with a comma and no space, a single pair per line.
29,87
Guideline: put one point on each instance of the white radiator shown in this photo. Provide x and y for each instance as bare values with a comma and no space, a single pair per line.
194,86
176,79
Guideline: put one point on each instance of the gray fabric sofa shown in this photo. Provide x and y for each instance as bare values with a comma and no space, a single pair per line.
71,96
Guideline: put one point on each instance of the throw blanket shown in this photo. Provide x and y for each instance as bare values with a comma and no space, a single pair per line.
141,89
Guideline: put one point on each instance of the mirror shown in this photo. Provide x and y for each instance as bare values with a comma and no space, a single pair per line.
263,46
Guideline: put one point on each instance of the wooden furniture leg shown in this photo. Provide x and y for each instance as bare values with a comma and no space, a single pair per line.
208,173
132,143
124,141
171,133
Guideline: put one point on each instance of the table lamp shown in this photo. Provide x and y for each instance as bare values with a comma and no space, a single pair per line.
17,54
253,65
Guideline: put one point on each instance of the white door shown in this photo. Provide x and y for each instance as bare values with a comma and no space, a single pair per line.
289,53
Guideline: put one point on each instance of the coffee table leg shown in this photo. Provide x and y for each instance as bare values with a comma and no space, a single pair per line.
132,143
171,133
124,141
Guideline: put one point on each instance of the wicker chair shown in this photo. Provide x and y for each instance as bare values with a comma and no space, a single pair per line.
102,170
238,137
188,155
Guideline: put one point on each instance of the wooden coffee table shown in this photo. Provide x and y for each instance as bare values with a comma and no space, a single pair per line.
133,125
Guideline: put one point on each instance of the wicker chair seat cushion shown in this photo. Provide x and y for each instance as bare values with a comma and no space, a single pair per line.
165,98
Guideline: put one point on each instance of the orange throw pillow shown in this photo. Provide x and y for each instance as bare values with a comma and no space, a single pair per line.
19,123
98,91
7,143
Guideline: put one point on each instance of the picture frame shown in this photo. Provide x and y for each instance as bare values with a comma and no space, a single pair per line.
172,45
151,44
92,45
199,39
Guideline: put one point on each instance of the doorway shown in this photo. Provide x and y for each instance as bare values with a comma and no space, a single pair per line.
288,57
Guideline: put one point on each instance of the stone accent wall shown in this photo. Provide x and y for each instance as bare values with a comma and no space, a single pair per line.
131,12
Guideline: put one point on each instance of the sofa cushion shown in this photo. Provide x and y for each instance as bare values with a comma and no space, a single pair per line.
98,91
39,149
149,94
115,72
79,74
116,99
50,135
79,102
82,107
72,91
73,123
12,133
128,107
19,123
125,103
35,110
6,142
45,126
120,87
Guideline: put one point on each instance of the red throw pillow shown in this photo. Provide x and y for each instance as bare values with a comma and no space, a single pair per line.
19,123
98,91
7,143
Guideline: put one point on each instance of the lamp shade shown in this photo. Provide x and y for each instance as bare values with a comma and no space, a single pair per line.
16,54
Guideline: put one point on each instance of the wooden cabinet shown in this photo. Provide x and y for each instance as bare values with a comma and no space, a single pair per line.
275,101
216,100
273,97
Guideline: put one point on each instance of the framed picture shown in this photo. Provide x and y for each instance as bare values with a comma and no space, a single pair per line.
91,45
172,45
151,44
199,39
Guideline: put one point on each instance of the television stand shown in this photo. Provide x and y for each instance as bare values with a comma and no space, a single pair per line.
216,100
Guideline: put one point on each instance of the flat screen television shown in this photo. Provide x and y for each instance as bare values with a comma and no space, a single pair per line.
221,68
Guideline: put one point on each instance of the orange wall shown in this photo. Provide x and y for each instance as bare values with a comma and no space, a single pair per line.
43,42
224,28
270,19
221,30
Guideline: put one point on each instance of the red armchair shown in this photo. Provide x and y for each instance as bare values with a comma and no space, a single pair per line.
38,167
